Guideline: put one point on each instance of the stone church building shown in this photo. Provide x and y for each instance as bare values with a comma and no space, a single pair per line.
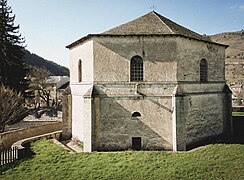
148,84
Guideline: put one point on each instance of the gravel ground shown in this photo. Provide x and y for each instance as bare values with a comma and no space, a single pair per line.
31,121
44,117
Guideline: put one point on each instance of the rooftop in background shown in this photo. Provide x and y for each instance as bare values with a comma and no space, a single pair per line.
59,81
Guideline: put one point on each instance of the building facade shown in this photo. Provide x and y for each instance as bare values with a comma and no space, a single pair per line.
148,84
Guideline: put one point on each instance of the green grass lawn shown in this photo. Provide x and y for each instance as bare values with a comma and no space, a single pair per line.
52,162
237,113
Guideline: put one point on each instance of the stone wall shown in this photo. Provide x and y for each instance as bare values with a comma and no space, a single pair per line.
104,102
202,116
112,58
189,55
165,59
114,127
8,138
67,116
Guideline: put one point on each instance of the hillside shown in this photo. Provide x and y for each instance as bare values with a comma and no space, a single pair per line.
37,61
234,54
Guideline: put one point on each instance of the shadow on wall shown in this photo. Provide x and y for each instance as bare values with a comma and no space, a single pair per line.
144,48
115,128
236,138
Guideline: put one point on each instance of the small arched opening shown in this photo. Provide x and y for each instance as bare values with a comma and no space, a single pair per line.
135,115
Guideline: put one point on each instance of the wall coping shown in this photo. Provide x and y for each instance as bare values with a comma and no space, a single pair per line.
19,144
22,129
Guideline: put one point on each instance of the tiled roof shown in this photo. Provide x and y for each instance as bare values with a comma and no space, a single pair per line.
152,24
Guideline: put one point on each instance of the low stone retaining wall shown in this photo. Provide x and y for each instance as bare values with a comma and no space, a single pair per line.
9,138
22,145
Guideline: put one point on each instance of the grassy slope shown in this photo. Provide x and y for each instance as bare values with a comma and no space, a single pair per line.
52,162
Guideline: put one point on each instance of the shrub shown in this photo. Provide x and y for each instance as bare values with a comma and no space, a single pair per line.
11,107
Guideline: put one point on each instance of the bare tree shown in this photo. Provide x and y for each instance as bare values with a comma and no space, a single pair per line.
42,90
11,107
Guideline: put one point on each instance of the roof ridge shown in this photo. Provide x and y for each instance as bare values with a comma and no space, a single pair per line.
157,15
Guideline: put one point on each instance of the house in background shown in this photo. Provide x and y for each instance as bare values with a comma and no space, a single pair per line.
56,85
148,84
237,95
47,91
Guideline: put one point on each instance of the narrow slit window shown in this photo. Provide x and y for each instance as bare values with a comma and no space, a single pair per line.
79,71
136,69
203,71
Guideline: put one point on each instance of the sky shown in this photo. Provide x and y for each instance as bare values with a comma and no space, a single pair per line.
50,25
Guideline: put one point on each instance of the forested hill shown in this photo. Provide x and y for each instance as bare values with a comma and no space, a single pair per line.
53,68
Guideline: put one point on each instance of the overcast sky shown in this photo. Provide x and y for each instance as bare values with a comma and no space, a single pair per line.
49,25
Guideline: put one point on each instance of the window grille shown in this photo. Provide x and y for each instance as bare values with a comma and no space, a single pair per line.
203,71
136,69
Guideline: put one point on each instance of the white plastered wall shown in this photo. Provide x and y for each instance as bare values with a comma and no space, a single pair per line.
83,52
81,130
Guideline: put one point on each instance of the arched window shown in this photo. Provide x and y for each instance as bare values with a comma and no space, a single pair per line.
136,69
79,71
203,71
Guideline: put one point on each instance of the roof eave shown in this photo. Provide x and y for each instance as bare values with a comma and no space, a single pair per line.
77,42
89,36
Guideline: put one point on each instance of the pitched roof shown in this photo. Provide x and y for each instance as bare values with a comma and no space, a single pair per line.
151,23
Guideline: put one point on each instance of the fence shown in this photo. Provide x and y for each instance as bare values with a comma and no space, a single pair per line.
8,155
